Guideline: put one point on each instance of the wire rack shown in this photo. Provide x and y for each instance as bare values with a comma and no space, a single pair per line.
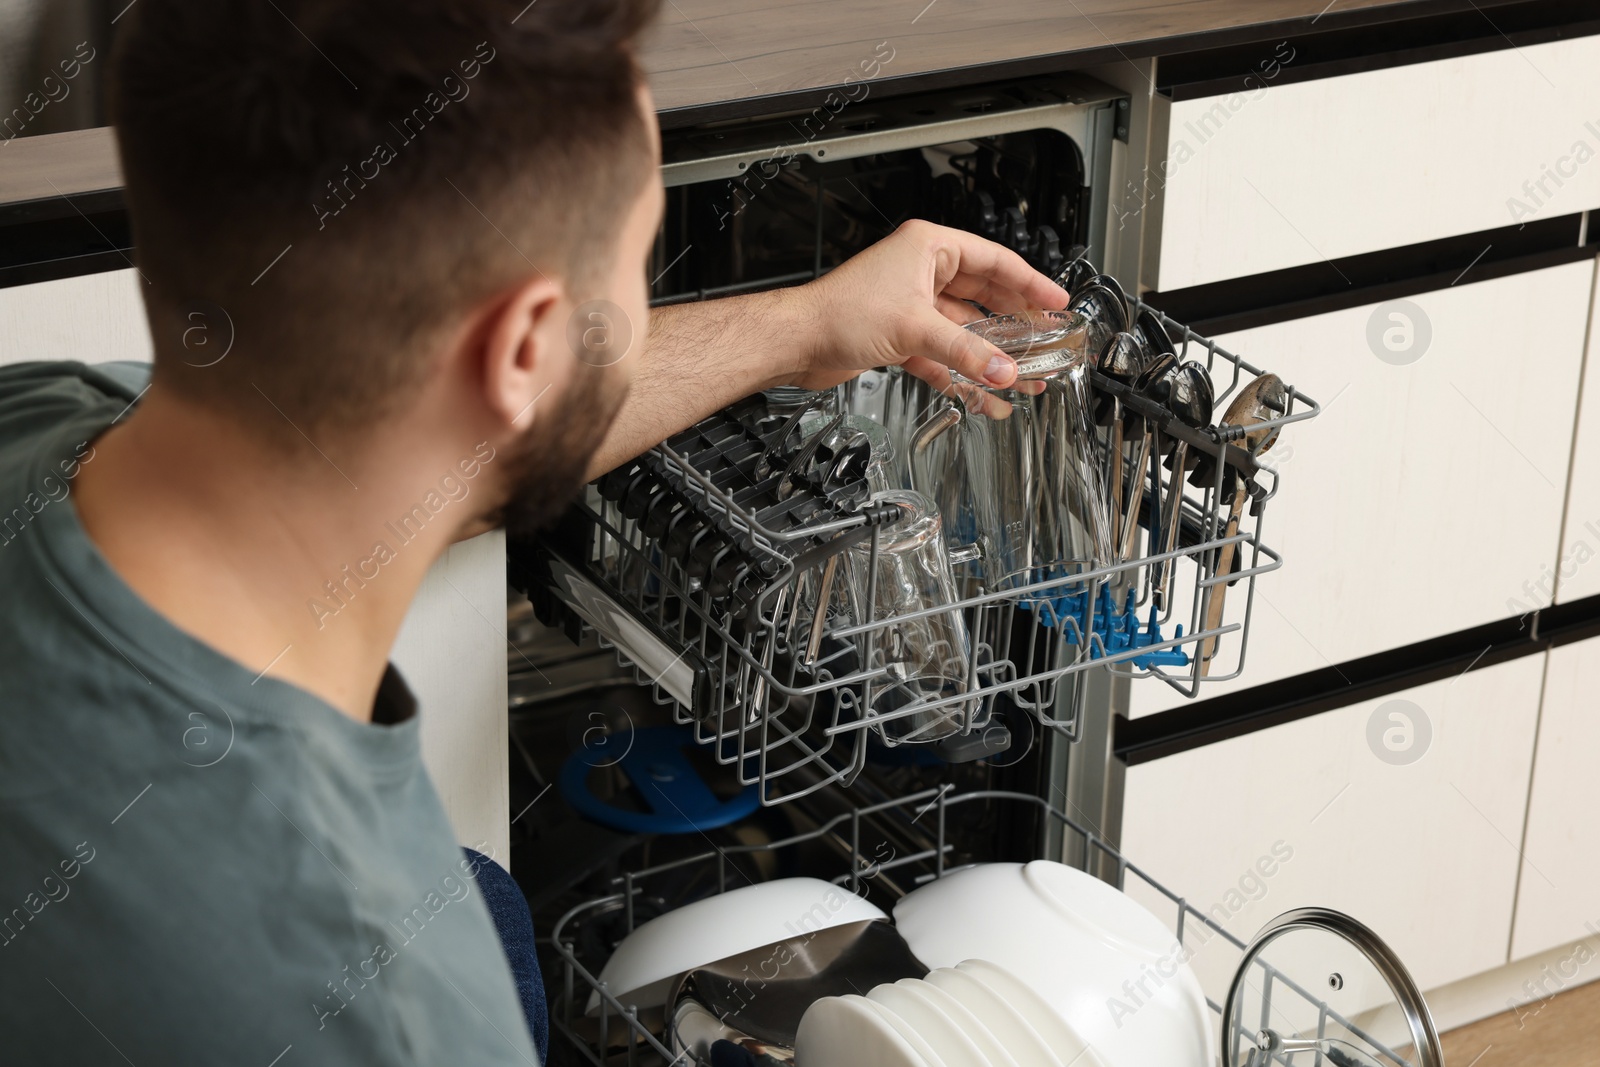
706,565
618,1033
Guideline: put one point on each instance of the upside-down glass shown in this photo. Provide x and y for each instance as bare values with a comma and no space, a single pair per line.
1032,475
927,658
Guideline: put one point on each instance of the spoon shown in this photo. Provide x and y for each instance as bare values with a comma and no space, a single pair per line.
1073,276
1114,293
1102,302
1191,399
1123,360
1263,399
1148,329
802,459
845,479
1154,384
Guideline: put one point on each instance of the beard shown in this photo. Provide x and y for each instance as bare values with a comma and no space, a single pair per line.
548,464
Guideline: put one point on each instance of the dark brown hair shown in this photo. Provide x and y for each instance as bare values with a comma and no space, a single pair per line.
326,185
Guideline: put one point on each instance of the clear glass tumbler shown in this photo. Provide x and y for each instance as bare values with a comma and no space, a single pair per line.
927,658
1029,469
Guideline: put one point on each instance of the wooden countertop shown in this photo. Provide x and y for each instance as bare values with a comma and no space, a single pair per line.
708,52
710,59
51,165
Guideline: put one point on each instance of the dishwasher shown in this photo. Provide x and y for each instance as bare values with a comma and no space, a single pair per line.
708,655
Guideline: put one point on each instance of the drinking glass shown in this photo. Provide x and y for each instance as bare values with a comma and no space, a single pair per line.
927,658
1030,472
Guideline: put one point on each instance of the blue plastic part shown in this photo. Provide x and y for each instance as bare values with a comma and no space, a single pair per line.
1118,630
680,802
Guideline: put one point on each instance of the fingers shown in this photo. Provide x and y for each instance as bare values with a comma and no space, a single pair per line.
977,401
939,339
957,311
995,297
972,268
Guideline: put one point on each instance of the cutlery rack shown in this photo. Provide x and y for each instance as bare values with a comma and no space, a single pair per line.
695,568
883,851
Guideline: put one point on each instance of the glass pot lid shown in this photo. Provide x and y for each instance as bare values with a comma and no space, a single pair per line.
1318,987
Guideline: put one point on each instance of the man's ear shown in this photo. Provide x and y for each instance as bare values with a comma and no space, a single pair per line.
524,349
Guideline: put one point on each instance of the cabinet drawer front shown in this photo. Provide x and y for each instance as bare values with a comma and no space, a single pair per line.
1287,175
1427,497
1310,814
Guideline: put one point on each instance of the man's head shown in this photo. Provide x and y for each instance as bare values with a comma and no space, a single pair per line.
392,210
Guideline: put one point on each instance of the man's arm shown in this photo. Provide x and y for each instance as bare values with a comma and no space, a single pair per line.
900,302
700,358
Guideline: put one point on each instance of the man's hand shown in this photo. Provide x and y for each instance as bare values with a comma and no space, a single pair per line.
904,300
901,302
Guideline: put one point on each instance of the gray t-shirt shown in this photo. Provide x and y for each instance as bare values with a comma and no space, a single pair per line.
199,865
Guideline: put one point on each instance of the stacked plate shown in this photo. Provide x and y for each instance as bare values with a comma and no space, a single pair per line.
975,1014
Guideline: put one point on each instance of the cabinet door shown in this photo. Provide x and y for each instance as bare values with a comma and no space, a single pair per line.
1327,811
1559,898
1286,175
1428,496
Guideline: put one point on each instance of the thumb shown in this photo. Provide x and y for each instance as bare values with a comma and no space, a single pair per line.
939,339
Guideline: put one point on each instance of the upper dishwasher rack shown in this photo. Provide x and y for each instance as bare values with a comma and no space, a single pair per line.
701,563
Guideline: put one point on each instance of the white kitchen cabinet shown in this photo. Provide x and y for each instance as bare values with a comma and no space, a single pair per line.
1292,174
1307,814
1575,573
1426,497
452,646
452,651
94,318
1559,899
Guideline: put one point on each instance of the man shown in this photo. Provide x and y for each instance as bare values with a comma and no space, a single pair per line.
217,843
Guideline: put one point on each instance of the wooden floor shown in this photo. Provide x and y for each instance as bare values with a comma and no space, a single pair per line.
1563,1031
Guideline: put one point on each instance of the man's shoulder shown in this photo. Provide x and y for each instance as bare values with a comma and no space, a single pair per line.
70,379
37,397
49,415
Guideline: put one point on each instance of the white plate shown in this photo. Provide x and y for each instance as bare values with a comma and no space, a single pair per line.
939,1030
1062,1039
992,1047
906,1030
850,1031
642,969
1021,1040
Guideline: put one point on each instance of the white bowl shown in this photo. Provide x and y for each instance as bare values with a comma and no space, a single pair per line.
842,1031
641,971
1111,970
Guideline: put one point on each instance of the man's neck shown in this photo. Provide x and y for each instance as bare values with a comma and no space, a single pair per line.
297,562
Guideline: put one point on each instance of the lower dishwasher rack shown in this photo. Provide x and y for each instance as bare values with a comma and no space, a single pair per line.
621,1034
